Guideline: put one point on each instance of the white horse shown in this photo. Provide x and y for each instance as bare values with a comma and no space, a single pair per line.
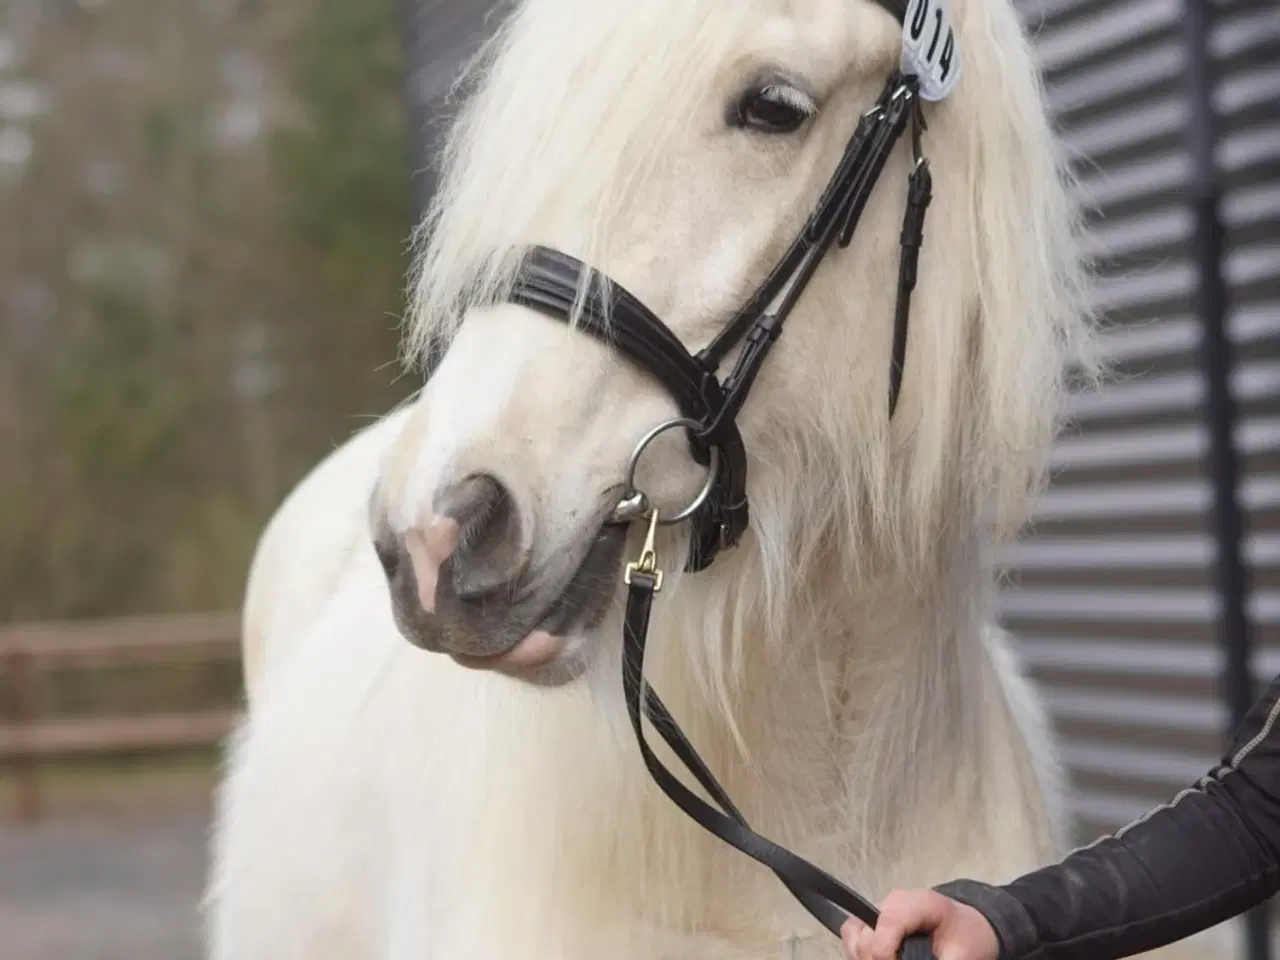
839,669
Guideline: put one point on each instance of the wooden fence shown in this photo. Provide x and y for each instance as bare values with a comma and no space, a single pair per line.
28,650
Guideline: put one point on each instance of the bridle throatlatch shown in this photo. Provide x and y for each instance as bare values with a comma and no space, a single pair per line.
565,288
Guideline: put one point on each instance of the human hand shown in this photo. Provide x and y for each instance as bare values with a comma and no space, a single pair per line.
959,932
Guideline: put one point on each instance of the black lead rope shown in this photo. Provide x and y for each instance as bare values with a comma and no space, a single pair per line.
549,282
828,900
815,889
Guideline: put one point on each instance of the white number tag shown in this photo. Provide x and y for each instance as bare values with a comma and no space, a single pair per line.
929,47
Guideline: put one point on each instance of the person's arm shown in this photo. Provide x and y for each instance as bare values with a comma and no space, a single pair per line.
1208,855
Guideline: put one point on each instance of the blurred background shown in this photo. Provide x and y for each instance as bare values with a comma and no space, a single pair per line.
204,210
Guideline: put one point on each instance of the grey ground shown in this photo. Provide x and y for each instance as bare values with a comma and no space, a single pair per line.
101,890
109,890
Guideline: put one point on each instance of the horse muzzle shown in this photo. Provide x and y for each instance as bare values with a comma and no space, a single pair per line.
463,581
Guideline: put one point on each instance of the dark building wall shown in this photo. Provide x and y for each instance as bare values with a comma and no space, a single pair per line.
440,35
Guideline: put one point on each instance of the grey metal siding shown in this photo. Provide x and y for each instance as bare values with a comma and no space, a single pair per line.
1112,594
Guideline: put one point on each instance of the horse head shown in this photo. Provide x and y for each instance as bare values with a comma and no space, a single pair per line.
678,148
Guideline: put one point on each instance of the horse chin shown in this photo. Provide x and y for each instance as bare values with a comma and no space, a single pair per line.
541,658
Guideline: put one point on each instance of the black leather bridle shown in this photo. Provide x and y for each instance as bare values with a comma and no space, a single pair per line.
554,282
564,287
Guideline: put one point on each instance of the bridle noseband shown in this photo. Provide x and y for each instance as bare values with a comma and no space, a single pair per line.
553,283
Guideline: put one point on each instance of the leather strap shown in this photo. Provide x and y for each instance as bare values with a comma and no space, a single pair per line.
828,900
550,281
919,193
833,220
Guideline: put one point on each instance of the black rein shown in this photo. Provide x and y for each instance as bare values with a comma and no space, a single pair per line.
567,289
552,282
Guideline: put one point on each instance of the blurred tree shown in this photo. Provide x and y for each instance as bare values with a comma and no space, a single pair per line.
346,214
201,278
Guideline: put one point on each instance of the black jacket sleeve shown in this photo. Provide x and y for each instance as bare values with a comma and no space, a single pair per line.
1206,856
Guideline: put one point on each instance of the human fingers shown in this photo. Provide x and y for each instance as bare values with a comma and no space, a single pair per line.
904,912
851,933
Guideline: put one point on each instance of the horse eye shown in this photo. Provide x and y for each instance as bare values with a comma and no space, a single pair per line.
772,109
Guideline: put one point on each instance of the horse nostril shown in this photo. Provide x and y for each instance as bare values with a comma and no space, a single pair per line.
389,555
468,551
473,503
490,553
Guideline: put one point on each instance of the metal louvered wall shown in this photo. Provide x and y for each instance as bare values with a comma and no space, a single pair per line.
1113,595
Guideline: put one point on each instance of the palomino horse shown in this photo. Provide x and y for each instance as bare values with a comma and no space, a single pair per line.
824,631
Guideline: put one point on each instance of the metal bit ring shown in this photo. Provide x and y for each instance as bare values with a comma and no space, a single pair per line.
635,503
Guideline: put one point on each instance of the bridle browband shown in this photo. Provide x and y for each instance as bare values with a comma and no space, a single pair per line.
565,288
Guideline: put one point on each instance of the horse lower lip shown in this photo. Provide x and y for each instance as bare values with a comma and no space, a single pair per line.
536,649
